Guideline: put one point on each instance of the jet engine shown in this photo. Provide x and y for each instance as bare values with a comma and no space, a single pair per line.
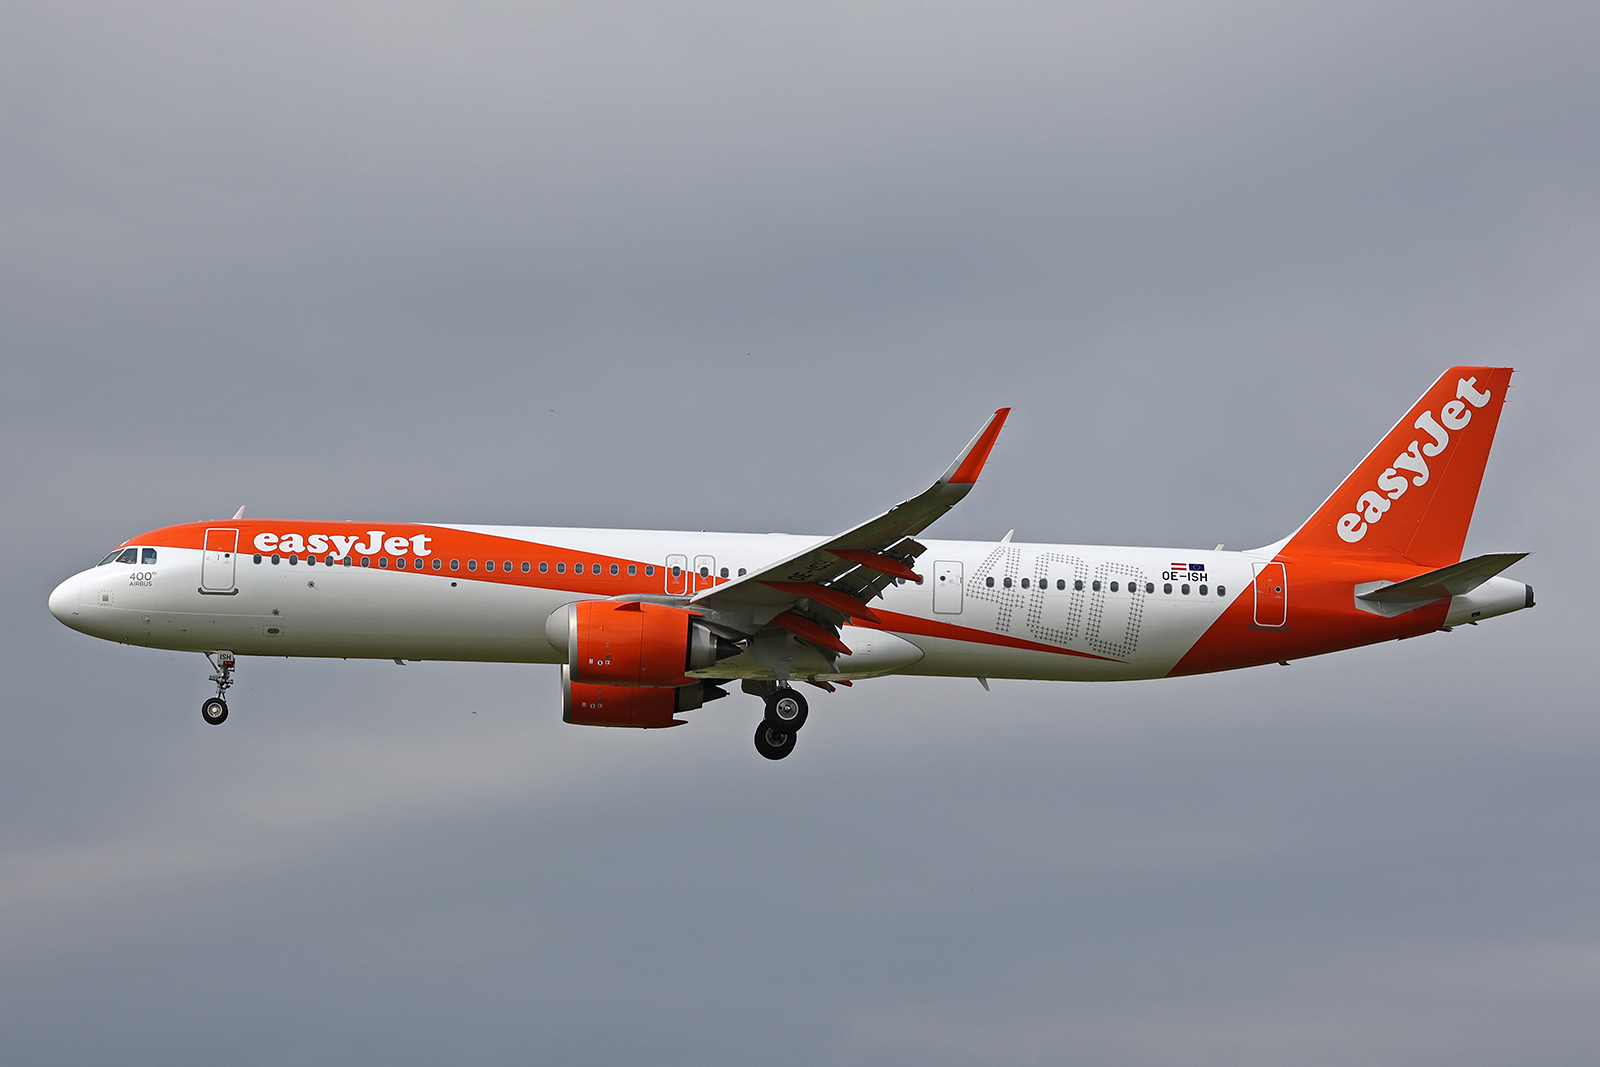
627,643
642,707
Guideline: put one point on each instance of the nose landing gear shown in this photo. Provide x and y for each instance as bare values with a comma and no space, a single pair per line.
215,710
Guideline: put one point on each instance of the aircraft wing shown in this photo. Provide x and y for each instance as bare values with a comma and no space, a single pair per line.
813,592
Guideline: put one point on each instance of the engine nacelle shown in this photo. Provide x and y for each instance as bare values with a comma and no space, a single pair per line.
628,643
641,707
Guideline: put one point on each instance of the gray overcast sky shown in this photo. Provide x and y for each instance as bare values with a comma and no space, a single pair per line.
737,267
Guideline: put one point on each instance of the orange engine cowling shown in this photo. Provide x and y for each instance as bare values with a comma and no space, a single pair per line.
642,707
612,643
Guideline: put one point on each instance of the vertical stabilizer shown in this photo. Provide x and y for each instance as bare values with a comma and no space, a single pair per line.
1412,497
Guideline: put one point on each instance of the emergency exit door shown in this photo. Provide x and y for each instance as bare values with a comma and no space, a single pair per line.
1272,596
216,563
677,575
947,587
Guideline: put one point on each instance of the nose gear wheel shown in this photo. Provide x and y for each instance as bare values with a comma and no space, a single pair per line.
215,710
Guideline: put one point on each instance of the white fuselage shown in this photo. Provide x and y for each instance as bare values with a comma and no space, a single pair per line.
983,609
973,593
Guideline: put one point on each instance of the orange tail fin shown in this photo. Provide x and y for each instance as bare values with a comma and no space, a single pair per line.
1412,497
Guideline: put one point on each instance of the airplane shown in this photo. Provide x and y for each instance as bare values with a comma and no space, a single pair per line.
648,625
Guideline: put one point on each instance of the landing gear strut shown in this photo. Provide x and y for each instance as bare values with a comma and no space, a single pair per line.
215,710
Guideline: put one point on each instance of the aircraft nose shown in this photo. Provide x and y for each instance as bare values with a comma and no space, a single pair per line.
64,600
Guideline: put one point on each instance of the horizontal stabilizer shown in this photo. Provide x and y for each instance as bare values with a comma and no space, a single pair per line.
1454,580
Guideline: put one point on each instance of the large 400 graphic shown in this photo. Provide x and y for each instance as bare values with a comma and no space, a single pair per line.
1065,606
1115,613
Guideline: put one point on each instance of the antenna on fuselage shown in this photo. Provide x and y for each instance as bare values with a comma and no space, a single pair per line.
237,515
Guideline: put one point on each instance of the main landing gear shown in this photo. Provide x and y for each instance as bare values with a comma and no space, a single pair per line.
215,710
772,742
785,713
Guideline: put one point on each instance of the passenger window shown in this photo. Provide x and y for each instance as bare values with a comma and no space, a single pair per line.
1149,587
724,572
1166,587
1008,583
989,582
472,564
614,570
488,564
1024,583
742,572
383,562
508,566
1202,590
455,564
147,557
275,559
1184,589
577,568
258,557
1061,583
633,569
437,563
677,572
526,566
705,572
1113,587
366,561
1078,585
544,568
1222,590
649,571
347,562
561,568
1096,585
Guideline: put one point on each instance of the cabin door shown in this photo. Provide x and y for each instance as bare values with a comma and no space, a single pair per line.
216,563
1272,596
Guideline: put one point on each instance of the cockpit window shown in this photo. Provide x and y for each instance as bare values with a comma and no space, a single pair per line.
109,559
122,555
147,557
